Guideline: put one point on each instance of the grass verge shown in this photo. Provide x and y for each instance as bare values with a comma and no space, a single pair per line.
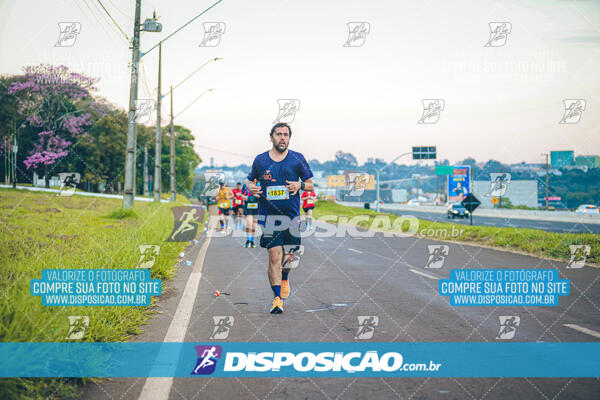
43,231
531,241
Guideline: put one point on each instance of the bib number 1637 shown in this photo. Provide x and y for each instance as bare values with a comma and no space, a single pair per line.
278,193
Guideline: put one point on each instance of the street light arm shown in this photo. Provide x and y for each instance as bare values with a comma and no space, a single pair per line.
391,162
180,28
196,99
196,70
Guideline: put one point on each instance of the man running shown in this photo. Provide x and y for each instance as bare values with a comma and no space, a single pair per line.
281,173
251,212
238,206
224,197
309,197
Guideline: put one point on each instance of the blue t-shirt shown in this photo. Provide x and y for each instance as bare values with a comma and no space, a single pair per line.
272,173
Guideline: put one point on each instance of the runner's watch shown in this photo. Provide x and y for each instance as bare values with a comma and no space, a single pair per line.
302,185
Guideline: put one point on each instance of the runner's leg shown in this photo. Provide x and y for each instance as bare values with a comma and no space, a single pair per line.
274,274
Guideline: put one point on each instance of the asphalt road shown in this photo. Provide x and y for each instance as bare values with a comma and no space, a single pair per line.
550,226
341,278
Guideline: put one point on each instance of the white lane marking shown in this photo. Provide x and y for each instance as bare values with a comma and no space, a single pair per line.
583,330
320,240
424,274
160,388
354,250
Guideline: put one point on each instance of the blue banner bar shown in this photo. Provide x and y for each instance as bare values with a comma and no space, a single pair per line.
296,359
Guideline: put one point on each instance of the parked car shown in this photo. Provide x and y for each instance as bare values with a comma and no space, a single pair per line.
413,202
588,209
457,211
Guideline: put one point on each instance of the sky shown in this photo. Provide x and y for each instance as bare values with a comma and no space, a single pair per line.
503,101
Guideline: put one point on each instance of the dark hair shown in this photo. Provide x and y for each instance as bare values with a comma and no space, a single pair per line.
280,125
239,183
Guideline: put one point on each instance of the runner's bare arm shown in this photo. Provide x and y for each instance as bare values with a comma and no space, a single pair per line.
294,186
255,190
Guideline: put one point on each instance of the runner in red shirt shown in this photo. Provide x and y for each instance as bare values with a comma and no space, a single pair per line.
308,203
238,206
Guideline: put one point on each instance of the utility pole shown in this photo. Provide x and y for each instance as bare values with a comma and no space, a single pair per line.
172,130
145,169
15,161
547,180
129,190
158,150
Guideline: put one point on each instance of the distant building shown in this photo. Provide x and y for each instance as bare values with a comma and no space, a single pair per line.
559,159
343,181
588,161
336,181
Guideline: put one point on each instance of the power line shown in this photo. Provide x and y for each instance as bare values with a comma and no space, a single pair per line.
99,21
119,10
224,151
95,17
183,26
113,20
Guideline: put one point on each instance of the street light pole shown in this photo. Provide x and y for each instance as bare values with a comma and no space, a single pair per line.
381,169
129,189
158,150
547,180
171,129
158,145
145,169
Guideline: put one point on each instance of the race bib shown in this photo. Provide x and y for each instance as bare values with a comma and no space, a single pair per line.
238,201
308,202
278,193
224,204
252,205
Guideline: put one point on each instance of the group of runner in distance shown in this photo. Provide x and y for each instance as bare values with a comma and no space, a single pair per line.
271,197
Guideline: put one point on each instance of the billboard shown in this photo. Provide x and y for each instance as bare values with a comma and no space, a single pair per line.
559,159
459,182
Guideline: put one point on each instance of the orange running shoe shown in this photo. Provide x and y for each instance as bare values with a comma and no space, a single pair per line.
285,289
277,307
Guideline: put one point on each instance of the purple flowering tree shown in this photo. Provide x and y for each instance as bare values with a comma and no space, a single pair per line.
48,98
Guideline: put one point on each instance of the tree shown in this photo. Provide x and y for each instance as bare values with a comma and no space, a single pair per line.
345,160
186,159
47,98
